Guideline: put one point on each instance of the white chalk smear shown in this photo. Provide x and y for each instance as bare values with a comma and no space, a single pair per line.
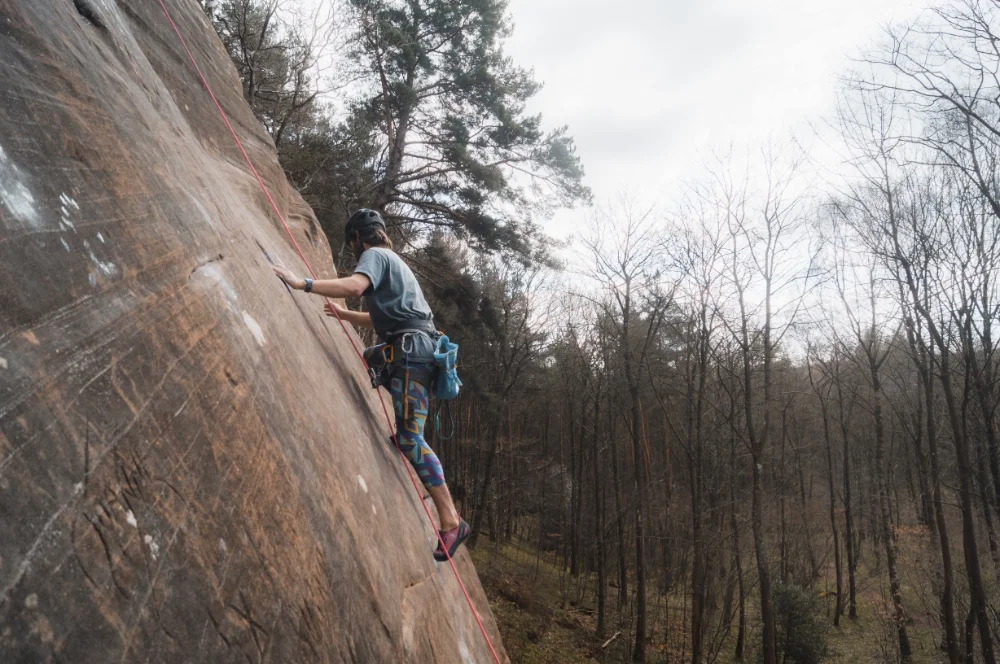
14,192
66,211
68,201
201,208
101,238
255,328
364,485
154,548
3,363
222,545
222,285
131,519
463,650
65,244
107,269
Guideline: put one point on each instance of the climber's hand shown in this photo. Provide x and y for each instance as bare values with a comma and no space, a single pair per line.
289,277
334,310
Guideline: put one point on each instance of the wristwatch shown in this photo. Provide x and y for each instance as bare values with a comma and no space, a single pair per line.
309,285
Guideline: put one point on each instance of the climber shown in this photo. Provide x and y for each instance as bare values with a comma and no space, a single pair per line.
402,319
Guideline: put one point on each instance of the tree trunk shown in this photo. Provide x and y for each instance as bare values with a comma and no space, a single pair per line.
492,435
923,358
602,584
889,539
926,503
620,526
639,652
763,574
839,607
397,149
780,485
814,571
696,390
668,580
757,444
697,574
985,502
737,559
983,377
852,602
574,471
977,592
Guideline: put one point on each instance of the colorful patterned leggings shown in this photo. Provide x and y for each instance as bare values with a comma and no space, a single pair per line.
411,431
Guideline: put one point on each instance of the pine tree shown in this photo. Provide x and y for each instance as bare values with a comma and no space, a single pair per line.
448,107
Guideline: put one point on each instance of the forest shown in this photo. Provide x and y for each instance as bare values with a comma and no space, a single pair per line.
754,422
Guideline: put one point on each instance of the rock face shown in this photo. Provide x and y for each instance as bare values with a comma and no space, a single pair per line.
192,464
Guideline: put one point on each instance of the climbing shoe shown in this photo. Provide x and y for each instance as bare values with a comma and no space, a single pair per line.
452,539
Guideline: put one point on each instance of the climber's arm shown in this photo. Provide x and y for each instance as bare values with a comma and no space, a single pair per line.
359,318
352,286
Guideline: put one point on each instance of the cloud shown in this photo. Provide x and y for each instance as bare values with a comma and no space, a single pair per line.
647,85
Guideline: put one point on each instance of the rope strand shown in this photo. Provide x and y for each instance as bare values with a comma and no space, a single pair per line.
343,326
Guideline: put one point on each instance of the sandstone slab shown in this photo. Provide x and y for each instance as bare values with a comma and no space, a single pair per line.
192,464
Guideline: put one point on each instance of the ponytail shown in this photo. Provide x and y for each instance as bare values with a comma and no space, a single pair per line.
375,237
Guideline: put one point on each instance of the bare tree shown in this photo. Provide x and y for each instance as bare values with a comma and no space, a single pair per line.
624,251
904,223
823,389
868,347
768,270
515,336
695,249
281,49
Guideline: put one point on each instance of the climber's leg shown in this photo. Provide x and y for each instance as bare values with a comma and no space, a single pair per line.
445,506
410,436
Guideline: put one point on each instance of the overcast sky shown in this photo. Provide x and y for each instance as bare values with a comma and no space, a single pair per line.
647,87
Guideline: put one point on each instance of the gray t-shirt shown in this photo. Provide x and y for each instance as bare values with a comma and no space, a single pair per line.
395,300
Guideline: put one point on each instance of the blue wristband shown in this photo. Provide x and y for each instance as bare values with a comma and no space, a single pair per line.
309,285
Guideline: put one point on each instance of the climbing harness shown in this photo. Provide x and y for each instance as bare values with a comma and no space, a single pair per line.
443,375
343,326
424,376
382,366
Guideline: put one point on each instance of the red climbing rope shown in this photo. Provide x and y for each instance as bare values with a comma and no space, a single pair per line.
298,250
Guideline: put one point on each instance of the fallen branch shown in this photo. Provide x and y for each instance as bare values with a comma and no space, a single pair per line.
608,642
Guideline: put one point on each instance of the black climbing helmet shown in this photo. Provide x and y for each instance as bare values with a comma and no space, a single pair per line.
363,221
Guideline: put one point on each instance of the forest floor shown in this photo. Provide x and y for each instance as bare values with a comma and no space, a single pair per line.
546,617
526,593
